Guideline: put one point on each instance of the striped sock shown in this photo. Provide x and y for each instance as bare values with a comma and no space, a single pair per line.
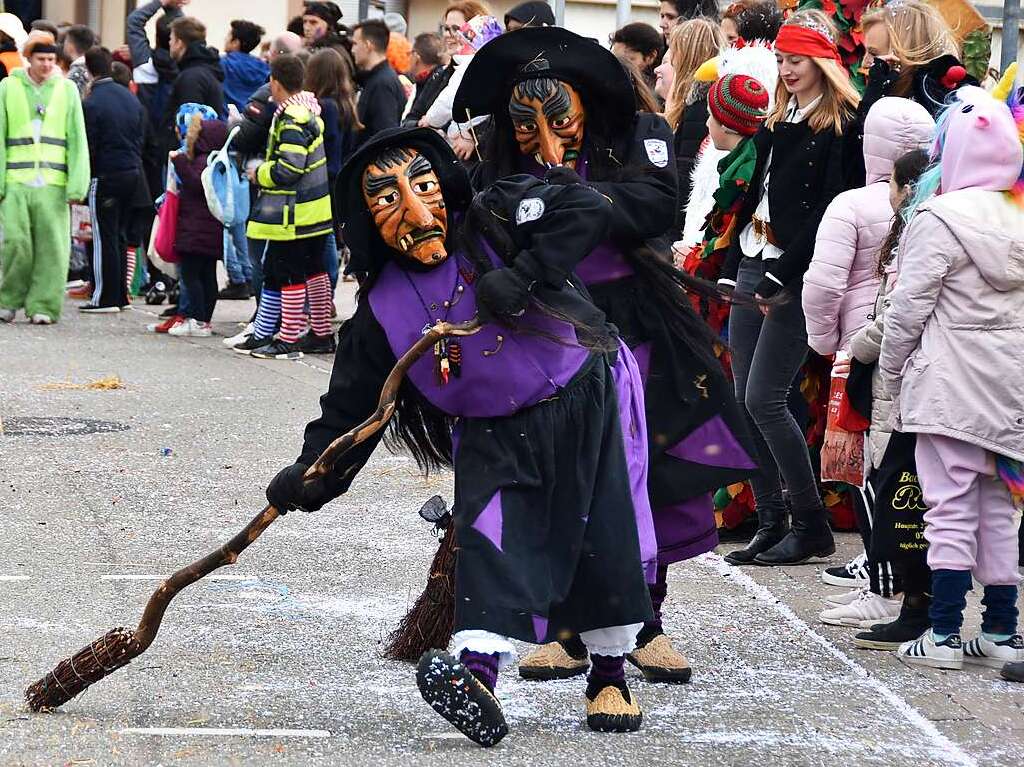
319,289
131,269
607,669
268,314
484,666
293,318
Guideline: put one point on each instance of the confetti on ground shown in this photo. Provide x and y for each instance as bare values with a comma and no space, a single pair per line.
100,384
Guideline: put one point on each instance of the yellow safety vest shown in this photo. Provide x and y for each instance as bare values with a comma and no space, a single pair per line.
30,160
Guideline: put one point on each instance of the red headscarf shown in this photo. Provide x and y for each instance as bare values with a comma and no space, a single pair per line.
804,41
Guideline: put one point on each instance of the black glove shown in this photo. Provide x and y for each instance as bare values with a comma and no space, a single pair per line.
287,491
562,176
501,294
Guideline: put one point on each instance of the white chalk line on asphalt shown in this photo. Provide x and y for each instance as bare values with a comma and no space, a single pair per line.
237,732
14,577
951,752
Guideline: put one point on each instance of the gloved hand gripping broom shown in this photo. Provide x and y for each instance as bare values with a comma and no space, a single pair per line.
120,646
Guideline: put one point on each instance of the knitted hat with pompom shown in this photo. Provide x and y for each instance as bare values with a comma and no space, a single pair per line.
739,102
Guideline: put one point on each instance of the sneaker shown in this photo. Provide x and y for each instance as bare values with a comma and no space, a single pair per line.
81,291
7,315
613,709
311,343
41,319
278,350
166,325
190,328
924,651
97,309
236,291
851,575
846,598
865,611
551,661
240,337
251,344
889,636
984,652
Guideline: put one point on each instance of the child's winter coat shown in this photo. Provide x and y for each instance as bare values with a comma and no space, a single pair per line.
841,283
198,233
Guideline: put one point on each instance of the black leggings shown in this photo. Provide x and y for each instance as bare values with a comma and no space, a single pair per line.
199,273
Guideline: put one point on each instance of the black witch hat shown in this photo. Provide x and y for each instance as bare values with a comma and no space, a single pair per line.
369,253
536,52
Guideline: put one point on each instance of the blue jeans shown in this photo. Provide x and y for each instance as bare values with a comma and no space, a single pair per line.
257,249
236,254
331,259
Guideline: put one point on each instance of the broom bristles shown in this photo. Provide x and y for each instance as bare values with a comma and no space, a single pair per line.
428,624
89,665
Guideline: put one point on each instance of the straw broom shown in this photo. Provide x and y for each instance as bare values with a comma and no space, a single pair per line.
119,646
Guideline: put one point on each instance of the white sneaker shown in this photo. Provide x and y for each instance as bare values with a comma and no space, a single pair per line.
984,652
863,612
853,574
923,651
191,328
847,597
41,319
232,342
7,315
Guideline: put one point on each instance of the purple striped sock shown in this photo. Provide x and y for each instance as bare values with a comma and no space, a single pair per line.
607,669
484,666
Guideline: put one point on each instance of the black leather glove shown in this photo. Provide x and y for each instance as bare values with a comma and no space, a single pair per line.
501,294
562,176
287,491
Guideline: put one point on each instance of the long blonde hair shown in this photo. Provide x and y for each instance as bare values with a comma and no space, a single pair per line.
839,99
691,43
917,32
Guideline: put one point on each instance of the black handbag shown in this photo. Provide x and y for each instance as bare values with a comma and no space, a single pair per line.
897,535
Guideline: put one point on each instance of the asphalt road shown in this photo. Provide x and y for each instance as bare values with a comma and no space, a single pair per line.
278,661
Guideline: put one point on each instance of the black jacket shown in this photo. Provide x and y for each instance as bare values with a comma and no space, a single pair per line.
254,129
689,135
427,92
808,171
381,100
115,123
200,80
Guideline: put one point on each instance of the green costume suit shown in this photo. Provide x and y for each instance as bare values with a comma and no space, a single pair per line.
45,165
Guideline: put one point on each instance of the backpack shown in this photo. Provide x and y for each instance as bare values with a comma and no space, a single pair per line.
226,189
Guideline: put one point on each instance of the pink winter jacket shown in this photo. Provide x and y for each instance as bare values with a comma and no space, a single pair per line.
841,283
953,345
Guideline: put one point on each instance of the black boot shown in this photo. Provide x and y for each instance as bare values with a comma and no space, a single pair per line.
809,538
912,622
770,530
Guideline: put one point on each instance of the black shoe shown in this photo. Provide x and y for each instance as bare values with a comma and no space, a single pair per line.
311,343
453,692
889,636
236,291
771,529
278,350
97,309
1013,672
798,548
251,344
170,311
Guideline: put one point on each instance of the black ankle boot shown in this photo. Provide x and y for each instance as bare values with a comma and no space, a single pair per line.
912,622
771,529
809,538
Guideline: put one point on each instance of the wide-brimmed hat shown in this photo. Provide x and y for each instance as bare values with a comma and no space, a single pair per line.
369,253
535,52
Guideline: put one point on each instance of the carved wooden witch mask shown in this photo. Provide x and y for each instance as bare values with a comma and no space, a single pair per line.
548,119
403,193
